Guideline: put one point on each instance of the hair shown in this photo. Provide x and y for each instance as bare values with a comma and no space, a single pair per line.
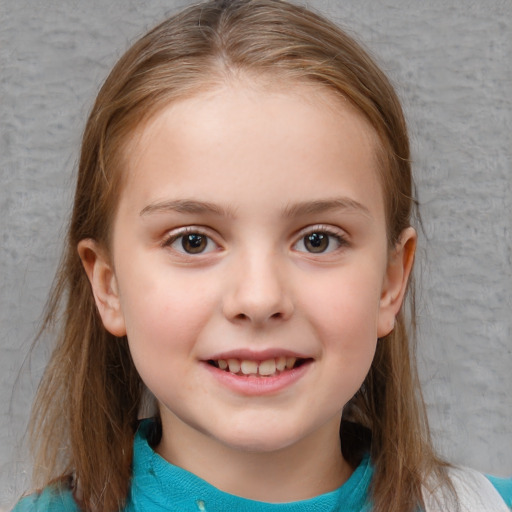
89,400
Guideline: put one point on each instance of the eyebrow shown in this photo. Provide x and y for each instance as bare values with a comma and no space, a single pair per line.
185,206
324,205
192,206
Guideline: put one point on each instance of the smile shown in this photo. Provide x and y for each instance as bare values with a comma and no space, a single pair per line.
266,368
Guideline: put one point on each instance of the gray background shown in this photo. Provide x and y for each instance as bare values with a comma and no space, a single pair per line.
450,61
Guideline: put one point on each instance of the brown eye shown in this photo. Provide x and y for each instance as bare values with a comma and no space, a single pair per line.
194,243
320,241
316,242
190,242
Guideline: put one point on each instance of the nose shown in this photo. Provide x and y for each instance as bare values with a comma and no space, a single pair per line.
258,292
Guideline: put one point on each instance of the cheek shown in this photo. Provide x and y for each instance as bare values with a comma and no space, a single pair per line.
343,312
163,324
344,307
164,313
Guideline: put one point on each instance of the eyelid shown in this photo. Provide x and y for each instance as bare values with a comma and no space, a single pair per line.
326,228
175,234
339,234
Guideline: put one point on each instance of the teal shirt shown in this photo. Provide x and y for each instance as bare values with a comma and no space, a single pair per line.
160,486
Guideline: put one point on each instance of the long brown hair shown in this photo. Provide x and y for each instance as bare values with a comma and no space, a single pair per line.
88,402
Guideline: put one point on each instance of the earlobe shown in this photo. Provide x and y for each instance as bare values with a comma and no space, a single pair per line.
398,270
104,285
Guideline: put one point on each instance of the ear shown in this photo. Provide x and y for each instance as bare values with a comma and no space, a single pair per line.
398,269
104,285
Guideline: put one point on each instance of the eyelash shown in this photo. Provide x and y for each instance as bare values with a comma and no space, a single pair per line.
329,233
340,240
182,233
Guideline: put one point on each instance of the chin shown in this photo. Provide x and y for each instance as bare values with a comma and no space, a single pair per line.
260,441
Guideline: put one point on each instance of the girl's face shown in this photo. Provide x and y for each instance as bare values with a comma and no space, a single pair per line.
250,268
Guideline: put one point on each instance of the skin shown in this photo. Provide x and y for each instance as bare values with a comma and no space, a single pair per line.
259,170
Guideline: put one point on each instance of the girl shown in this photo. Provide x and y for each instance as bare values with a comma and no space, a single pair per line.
238,255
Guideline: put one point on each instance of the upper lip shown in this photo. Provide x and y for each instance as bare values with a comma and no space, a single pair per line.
256,355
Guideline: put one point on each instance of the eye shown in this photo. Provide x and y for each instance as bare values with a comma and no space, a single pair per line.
319,241
190,242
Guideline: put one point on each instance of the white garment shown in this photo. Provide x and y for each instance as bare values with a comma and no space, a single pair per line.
475,493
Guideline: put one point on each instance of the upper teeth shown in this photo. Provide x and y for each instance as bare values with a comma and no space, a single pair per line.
250,367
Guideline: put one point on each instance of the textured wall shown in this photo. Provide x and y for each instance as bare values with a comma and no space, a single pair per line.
451,63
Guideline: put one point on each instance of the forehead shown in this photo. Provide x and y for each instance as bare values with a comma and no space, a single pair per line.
253,134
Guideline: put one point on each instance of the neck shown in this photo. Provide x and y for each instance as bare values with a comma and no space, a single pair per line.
308,468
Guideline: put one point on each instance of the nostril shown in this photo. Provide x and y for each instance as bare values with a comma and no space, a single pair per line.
274,316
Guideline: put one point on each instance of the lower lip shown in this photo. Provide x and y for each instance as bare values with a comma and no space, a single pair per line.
251,385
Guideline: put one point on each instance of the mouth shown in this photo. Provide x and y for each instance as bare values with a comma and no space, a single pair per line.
267,368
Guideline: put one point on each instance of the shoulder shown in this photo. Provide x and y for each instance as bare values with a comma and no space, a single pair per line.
504,488
477,492
52,498
474,492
